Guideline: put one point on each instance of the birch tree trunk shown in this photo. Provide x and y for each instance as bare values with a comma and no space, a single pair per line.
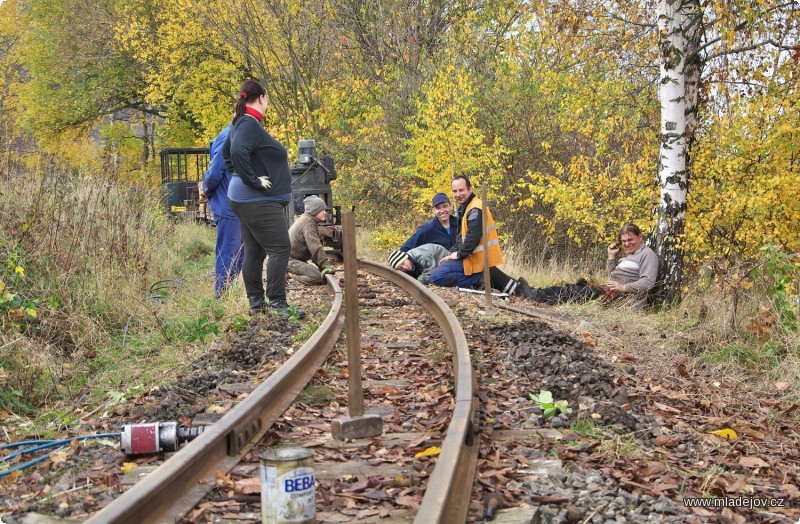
674,20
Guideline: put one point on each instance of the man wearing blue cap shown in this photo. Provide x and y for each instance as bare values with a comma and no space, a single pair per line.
438,230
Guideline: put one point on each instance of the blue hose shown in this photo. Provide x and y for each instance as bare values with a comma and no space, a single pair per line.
38,445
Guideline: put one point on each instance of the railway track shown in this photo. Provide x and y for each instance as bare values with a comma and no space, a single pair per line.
232,444
571,467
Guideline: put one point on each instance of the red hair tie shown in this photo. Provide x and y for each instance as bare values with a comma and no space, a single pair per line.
244,95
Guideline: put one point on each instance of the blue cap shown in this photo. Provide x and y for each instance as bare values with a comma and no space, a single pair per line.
440,198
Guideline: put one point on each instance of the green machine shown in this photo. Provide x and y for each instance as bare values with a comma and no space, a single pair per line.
182,168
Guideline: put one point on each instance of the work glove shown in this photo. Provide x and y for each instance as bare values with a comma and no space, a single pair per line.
325,271
265,182
203,198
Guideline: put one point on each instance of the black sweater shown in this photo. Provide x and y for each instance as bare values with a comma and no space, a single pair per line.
250,152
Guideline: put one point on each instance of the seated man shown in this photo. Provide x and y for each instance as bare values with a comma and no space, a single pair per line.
442,229
632,275
418,262
464,266
306,244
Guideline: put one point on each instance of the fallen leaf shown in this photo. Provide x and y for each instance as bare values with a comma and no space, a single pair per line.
753,462
782,386
790,490
665,441
128,466
727,433
57,457
750,432
361,484
733,518
664,407
248,486
430,452
738,485
407,501
653,468
377,495
416,441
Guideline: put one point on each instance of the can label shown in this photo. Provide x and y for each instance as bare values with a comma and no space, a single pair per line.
287,492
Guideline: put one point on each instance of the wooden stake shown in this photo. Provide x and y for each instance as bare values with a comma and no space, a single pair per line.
487,281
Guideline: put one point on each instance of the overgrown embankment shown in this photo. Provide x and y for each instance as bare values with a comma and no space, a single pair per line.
97,286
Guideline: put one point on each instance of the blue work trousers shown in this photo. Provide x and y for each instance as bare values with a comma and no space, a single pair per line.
451,273
229,253
265,231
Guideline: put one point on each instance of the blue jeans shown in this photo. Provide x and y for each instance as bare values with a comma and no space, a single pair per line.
451,273
264,232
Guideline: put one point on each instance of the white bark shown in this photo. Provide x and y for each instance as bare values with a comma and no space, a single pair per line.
672,169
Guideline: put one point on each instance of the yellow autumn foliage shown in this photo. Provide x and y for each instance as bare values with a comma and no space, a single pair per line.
553,104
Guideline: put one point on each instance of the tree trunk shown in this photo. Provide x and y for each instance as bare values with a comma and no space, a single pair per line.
145,140
675,18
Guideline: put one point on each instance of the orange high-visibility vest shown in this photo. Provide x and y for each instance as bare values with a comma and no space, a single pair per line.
474,263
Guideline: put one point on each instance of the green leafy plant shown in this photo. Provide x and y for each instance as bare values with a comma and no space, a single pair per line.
239,322
586,428
549,408
293,313
13,303
779,274
304,334
197,330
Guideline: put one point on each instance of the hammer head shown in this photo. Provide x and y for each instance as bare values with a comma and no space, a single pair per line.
491,503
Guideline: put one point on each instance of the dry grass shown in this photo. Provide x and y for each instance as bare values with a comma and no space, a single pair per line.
555,270
92,251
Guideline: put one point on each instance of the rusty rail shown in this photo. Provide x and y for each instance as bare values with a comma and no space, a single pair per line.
449,487
176,486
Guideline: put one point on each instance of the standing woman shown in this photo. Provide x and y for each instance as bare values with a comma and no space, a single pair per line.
260,189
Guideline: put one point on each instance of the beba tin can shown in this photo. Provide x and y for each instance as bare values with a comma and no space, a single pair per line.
287,486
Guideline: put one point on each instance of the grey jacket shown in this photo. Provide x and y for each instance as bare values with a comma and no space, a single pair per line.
638,271
426,258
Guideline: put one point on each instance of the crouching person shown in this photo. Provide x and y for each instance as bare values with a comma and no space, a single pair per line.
306,245
418,262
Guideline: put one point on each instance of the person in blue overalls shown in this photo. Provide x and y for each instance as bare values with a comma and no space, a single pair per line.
229,251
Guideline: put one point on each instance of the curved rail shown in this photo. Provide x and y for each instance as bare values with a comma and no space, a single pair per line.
449,487
178,484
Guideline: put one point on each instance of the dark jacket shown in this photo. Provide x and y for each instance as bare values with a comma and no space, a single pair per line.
250,152
474,229
432,232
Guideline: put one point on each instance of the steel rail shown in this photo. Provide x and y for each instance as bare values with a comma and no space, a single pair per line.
449,487
176,486
550,317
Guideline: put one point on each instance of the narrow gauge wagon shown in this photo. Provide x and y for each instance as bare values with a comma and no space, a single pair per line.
181,169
